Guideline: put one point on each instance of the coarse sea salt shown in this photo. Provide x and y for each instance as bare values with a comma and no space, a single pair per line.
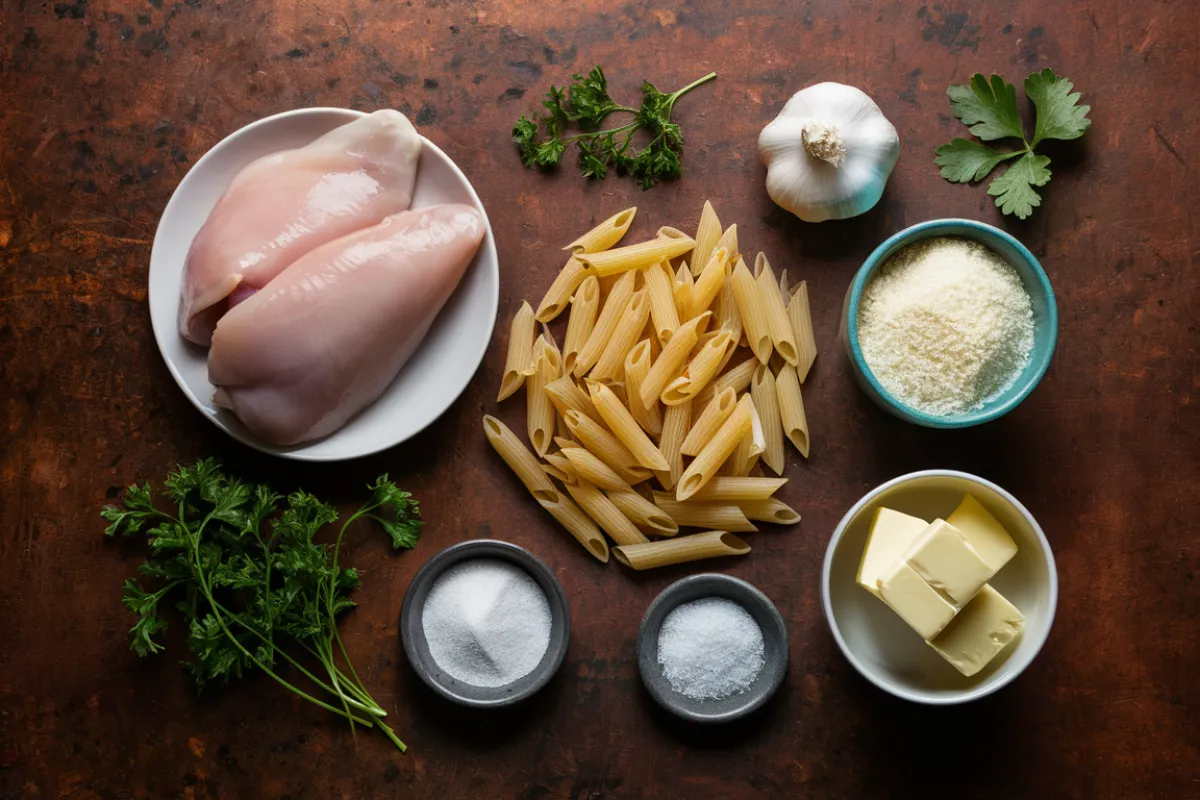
487,622
710,649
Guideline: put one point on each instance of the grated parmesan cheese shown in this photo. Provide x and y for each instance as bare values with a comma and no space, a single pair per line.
946,325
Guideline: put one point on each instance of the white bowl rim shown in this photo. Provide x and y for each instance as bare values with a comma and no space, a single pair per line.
298,452
988,687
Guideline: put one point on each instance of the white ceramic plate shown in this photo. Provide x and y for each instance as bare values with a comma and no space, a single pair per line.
439,370
881,646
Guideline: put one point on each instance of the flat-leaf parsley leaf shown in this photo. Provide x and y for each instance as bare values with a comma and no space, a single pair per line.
989,109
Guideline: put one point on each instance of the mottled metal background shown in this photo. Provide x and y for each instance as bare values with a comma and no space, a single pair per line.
104,106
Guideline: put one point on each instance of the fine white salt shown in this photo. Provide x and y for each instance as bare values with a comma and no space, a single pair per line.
487,622
946,325
710,649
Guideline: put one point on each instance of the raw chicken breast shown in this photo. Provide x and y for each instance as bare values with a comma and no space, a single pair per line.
323,340
283,205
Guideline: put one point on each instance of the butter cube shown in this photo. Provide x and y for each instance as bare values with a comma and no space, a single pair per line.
917,603
980,632
891,533
984,533
947,561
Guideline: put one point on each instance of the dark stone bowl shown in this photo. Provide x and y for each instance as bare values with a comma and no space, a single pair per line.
416,646
775,648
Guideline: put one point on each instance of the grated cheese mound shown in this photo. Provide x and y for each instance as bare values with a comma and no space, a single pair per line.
946,325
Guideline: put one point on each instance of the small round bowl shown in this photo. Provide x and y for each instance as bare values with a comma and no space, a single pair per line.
775,648
438,371
416,646
1041,295
881,646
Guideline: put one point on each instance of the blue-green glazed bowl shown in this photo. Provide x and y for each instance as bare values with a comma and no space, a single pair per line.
1045,321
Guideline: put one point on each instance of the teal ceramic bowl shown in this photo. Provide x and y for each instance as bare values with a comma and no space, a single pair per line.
1045,321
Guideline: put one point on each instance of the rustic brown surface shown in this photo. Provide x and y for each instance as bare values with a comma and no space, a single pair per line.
106,105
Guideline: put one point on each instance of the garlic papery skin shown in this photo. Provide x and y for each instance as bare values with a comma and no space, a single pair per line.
829,153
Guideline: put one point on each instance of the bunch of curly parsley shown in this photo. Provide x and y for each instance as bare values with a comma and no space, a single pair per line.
586,104
989,109
255,590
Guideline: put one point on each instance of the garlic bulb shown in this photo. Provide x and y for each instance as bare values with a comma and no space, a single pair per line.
829,153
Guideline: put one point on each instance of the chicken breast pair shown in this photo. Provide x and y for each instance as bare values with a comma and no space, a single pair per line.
312,282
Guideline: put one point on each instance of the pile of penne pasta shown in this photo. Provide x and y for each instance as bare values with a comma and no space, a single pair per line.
660,362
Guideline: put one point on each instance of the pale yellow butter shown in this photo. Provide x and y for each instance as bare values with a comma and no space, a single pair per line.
917,603
947,561
891,533
983,532
979,632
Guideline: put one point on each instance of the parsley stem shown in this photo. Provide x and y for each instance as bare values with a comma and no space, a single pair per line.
593,134
689,87
371,708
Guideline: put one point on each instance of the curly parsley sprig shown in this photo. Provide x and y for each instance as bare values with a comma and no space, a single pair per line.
989,110
254,588
586,104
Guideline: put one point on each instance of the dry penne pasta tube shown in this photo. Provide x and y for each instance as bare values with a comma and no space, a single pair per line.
772,509
717,516
676,420
778,324
737,379
729,352
629,327
585,305
565,443
729,318
705,465
648,517
708,233
672,359
683,291
606,447
622,424
681,549
558,296
743,459
664,316
729,240
800,317
557,466
750,307
637,366
522,462
737,490
518,363
604,235
587,466
709,422
758,440
566,396
708,284
791,408
539,411
617,388
604,513
699,371
606,323
577,523
669,243
766,401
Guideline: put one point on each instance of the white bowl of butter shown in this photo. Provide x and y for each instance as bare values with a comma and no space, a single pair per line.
924,588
